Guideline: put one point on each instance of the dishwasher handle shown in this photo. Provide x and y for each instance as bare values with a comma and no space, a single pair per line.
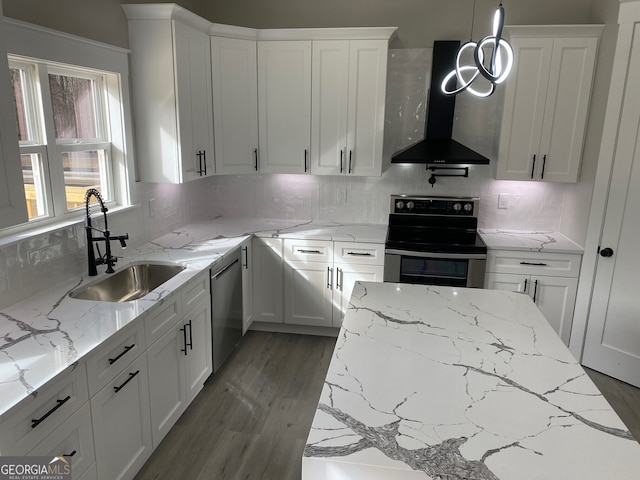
219,273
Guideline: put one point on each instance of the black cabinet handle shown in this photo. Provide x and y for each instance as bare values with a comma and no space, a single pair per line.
246,257
606,252
339,278
329,277
255,153
350,159
309,251
534,264
204,161
199,155
534,166
69,454
190,325
59,403
341,161
184,338
360,254
126,349
131,375
544,162
526,281
305,160
535,291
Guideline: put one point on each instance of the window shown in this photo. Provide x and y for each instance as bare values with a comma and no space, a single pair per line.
64,135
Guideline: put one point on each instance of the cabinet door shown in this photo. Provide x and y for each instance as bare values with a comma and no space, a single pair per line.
267,280
508,281
121,425
346,277
284,99
13,207
367,89
198,360
566,109
247,286
523,113
329,107
166,382
308,293
235,104
556,297
195,114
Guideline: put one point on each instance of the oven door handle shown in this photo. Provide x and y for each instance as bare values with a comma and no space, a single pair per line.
453,256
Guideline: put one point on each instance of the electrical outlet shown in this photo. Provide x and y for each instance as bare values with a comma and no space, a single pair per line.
152,207
342,195
503,200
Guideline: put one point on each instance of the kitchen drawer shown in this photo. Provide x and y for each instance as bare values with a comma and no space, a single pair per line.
32,420
534,263
308,250
195,291
73,440
358,253
114,355
162,318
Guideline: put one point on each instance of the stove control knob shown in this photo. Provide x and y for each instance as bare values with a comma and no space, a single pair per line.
468,207
399,205
410,205
457,207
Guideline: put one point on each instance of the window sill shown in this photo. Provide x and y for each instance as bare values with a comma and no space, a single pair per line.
24,232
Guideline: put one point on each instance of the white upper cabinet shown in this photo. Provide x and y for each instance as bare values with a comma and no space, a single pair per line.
348,99
546,102
284,106
235,104
13,207
172,95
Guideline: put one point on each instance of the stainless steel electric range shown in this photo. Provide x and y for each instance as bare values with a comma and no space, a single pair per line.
434,241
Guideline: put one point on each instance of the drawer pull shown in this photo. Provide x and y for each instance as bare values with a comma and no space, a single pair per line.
534,264
360,254
309,251
126,349
59,403
131,375
69,454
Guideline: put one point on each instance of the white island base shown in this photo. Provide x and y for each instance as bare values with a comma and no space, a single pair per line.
451,384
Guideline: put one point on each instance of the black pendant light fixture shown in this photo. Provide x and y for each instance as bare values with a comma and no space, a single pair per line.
492,59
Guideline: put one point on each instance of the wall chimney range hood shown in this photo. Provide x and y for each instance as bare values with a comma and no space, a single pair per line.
438,148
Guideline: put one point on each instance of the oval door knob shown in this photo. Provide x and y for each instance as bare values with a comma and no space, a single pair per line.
606,252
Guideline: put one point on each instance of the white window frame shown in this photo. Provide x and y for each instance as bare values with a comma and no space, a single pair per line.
80,57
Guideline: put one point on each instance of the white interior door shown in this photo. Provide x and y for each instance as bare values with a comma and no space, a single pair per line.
612,343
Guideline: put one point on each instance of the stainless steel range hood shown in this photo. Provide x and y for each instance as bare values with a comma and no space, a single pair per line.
438,148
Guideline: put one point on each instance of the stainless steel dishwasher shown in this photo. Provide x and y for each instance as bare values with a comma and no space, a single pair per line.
226,308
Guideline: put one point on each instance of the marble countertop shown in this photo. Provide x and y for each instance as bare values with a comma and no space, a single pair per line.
545,242
438,382
43,335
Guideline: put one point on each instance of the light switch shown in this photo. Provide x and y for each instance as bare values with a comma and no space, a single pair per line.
503,200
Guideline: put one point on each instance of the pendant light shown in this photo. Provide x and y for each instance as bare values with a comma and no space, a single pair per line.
499,65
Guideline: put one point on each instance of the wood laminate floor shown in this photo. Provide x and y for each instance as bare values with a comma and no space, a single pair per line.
252,418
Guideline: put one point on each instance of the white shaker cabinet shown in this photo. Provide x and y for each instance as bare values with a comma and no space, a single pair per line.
172,95
13,207
284,106
234,78
267,280
121,424
550,279
348,100
547,102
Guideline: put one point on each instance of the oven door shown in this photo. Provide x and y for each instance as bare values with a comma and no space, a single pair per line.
428,268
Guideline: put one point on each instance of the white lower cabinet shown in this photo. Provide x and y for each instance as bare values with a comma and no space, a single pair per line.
550,279
320,275
247,284
121,423
197,358
267,280
72,440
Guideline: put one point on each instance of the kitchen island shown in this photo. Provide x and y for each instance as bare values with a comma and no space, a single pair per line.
450,383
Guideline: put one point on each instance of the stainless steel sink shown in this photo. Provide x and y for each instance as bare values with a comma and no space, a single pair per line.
130,283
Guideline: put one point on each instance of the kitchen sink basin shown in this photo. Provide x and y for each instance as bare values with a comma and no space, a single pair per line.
130,283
